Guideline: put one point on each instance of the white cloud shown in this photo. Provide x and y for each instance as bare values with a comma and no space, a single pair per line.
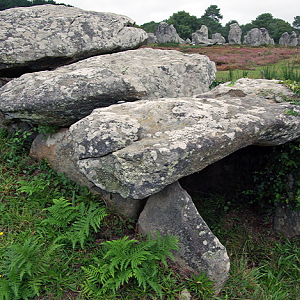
157,10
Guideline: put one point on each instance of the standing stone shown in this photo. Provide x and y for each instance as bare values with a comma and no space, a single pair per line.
151,38
200,36
290,40
258,37
284,39
218,38
173,212
235,34
293,42
287,221
166,33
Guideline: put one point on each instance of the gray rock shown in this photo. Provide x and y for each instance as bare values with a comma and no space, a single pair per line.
290,40
284,39
43,36
188,41
201,36
58,149
185,295
287,221
151,38
258,37
173,212
218,38
293,42
166,33
69,93
235,34
138,148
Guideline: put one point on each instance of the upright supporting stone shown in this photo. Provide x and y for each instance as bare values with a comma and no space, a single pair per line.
173,212
287,221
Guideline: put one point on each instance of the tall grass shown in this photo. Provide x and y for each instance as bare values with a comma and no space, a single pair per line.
288,71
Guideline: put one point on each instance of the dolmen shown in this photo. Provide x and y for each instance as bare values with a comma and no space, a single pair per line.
133,121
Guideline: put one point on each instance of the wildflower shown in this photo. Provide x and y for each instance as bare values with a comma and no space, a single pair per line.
1,233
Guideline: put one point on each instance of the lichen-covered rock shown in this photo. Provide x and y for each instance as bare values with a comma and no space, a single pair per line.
58,149
43,36
69,93
287,221
200,36
166,33
235,34
172,212
136,149
151,38
289,39
218,38
258,37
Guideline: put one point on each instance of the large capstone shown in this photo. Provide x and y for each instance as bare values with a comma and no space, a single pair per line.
138,148
44,36
65,95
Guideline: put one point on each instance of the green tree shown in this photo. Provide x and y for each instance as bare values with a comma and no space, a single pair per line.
4,4
296,22
213,12
184,23
150,26
211,18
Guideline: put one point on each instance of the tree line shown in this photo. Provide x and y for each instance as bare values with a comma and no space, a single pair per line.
4,4
186,24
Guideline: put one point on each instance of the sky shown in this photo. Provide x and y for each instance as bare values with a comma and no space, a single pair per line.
158,10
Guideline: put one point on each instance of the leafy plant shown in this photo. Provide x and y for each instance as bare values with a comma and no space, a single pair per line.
123,260
73,221
279,181
201,285
46,129
24,268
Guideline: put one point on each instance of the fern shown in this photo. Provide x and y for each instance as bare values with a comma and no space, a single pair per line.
75,221
25,267
62,213
124,260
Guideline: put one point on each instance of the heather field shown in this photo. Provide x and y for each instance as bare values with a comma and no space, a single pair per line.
244,61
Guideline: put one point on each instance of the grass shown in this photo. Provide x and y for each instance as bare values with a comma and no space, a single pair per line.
40,261
263,265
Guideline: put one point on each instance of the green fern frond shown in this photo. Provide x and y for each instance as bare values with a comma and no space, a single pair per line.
124,260
61,213
76,221
24,266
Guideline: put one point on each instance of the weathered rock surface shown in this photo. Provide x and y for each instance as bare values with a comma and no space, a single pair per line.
200,36
287,221
69,93
218,38
138,148
284,39
40,37
173,212
257,37
58,149
235,34
151,38
289,39
166,33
